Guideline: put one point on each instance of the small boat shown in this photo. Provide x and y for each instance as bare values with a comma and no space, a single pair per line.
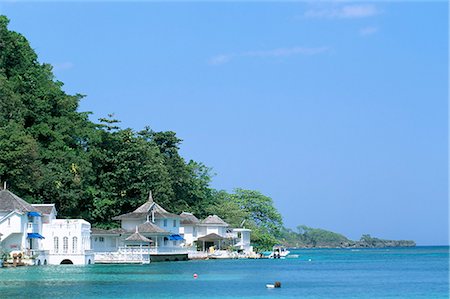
277,284
279,252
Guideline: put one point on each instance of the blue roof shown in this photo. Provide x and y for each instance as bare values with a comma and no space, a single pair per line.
175,238
34,214
35,236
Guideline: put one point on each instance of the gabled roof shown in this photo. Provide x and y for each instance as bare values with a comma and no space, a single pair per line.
144,210
10,202
188,218
150,228
137,237
214,219
211,237
45,209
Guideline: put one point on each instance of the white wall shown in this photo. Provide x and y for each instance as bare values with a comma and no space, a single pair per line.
168,224
14,230
130,224
105,243
220,230
61,228
189,233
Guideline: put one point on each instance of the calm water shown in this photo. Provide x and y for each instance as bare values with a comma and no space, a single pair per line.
367,273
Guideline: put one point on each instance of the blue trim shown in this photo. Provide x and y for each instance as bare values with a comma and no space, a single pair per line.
175,238
34,214
35,236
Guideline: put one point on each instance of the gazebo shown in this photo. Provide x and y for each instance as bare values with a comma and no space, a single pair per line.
138,239
211,239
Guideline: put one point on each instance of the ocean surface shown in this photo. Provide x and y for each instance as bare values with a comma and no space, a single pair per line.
421,272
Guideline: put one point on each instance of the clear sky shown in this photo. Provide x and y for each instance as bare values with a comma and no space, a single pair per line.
338,111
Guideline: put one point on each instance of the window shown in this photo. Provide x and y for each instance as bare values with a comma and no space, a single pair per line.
165,222
74,244
56,244
101,239
174,243
165,241
174,223
65,244
194,233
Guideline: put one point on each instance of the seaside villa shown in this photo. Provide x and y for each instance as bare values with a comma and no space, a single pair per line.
32,232
151,233
148,233
213,232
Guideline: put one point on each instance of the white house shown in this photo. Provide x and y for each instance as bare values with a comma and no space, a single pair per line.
189,228
213,232
148,233
34,231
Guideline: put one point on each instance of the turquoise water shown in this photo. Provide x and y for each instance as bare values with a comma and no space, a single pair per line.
420,272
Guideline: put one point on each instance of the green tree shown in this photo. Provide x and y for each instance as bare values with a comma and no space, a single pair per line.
252,210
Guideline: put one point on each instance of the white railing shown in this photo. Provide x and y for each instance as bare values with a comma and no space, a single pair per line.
116,257
36,252
152,250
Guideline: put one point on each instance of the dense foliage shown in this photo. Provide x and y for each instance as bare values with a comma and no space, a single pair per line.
313,237
253,210
50,152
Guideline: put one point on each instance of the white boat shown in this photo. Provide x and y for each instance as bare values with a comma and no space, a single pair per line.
279,252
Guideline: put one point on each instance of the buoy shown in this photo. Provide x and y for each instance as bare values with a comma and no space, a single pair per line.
195,275
309,260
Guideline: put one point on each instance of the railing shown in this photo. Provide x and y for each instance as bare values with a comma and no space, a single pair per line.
35,252
152,250
116,257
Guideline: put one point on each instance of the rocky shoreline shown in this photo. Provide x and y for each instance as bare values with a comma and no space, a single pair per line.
358,244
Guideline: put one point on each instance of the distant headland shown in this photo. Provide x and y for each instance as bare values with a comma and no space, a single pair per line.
307,237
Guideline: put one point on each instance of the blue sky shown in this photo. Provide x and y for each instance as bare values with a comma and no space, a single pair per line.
338,111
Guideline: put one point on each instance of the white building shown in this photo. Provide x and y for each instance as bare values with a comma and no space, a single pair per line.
213,232
189,228
34,231
148,233
242,239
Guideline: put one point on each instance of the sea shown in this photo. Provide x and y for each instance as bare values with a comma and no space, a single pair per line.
420,272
